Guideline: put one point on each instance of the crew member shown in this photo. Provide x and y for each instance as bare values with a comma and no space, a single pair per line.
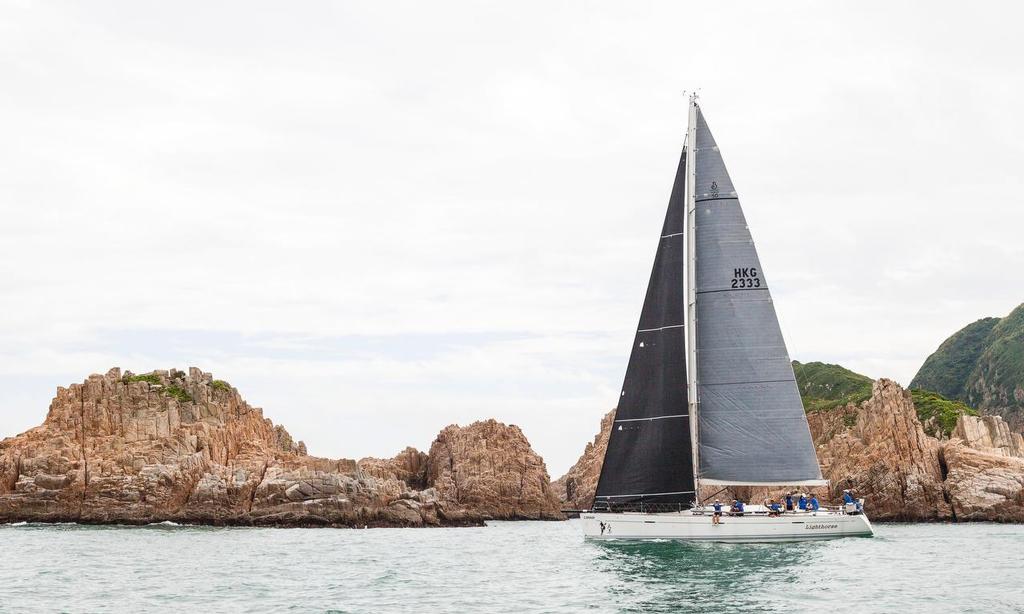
789,502
813,505
802,502
716,518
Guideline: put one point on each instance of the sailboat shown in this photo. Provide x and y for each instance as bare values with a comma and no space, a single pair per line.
709,399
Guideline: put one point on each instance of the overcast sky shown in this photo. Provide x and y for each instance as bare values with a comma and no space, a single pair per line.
379,218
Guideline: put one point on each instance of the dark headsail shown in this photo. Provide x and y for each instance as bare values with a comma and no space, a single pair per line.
649,459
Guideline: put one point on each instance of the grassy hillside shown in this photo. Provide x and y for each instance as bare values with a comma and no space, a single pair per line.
945,412
981,365
997,380
947,370
824,386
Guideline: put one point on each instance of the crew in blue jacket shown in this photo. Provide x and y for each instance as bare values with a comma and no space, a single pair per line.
813,505
802,503
847,497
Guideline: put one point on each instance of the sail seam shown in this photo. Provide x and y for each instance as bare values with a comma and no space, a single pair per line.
651,330
675,234
763,381
731,290
654,418
702,200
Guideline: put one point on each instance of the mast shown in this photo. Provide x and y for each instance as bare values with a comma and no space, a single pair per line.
691,293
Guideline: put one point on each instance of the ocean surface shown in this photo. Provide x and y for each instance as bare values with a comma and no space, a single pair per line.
504,567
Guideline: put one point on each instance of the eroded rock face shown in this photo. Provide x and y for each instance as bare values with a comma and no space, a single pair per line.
187,448
578,486
984,486
879,448
489,467
883,453
409,466
989,434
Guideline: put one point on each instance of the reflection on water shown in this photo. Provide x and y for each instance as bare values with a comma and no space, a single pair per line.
668,575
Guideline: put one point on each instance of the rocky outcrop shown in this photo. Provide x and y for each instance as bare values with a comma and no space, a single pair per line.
978,471
880,449
982,485
187,448
490,468
577,487
409,466
989,434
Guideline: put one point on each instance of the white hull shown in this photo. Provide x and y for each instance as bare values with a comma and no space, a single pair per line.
751,527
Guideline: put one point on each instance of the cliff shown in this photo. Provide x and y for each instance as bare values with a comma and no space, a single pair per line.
983,366
187,448
880,448
490,468
577,487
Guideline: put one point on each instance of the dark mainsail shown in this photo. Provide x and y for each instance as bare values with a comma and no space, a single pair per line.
752,426
649,458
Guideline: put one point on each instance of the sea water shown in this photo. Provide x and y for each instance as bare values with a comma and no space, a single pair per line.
503,567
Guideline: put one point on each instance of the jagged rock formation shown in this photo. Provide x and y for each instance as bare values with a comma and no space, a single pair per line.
187,448
983,366
577,487
409,466
880,448
984,486
490,468
990,434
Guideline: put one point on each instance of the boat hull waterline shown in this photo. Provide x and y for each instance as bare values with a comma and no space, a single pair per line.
687,526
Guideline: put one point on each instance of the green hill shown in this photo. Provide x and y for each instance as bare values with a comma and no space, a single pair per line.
824,386
946,371
981,365
931,405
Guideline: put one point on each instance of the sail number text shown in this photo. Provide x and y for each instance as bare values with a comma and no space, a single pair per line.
745,278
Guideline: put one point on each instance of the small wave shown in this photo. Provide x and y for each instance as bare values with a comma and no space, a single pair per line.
165,523
17,524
